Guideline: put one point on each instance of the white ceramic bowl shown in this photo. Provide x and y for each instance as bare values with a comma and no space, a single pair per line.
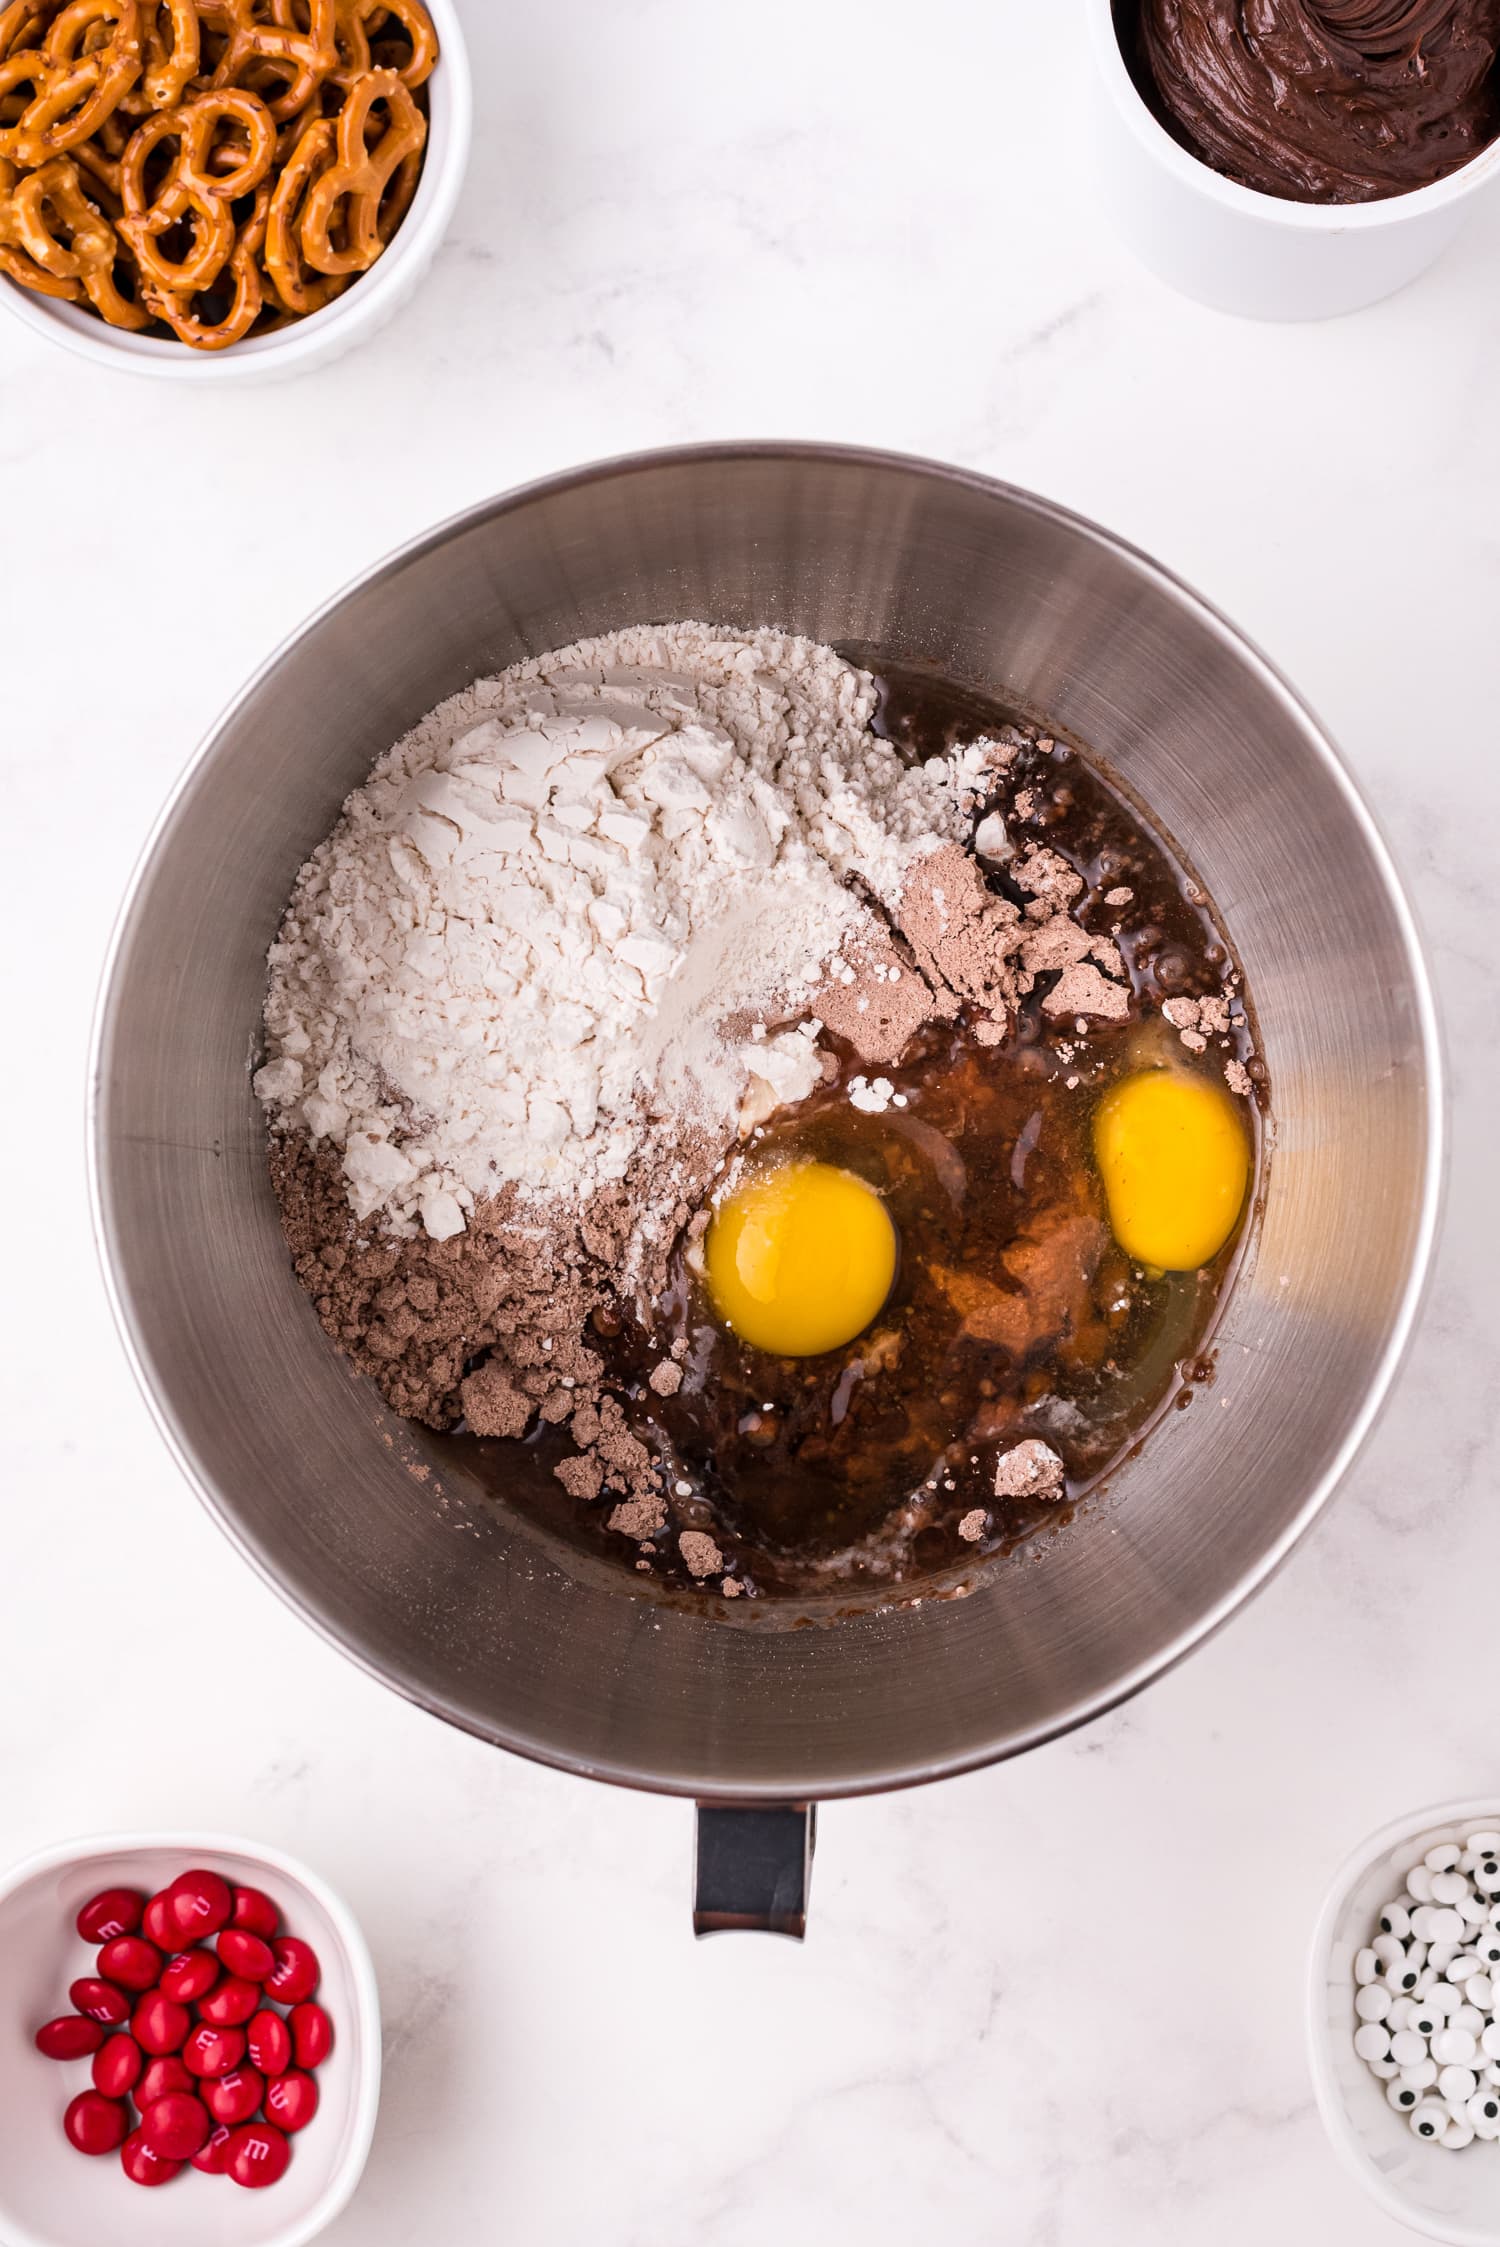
365,306
1452,2196
52,2196
1231,246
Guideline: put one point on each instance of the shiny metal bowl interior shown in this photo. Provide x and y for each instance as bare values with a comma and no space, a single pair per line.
467,1611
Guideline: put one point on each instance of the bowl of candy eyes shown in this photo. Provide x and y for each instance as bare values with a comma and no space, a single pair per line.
1404,2020
247,193
190,2016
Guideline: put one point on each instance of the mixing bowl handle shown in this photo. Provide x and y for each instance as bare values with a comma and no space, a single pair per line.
753,1867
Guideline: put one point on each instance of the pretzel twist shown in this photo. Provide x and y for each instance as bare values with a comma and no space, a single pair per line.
249,292
357,19
307,57
172,56
50,204
315,154
179,199
350,192
74,87
24,24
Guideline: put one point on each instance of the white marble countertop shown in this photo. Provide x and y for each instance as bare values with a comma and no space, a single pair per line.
1059,2002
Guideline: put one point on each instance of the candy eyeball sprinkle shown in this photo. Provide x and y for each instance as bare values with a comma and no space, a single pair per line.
1426,1991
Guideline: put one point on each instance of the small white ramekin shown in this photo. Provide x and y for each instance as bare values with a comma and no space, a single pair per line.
53,2196
1241,251
365,306
1452,2196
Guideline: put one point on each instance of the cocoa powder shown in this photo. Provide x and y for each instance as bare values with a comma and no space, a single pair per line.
491,1327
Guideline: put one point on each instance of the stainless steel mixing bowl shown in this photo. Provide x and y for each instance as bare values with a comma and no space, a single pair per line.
470,1613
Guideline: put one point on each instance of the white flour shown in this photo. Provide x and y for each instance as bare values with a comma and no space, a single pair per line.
564,910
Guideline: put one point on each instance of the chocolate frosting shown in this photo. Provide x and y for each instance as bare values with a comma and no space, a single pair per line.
1322,101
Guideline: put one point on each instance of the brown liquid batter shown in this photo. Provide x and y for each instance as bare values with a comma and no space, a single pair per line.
845,1478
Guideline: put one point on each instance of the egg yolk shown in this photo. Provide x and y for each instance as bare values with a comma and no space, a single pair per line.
800,1259
1174,1156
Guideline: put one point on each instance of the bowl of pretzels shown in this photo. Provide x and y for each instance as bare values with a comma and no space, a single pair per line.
194,188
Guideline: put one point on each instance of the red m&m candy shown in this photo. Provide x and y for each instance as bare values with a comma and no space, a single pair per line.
255,1913
117,2066
177,2126
296,1972
159,2026
95,2124
99,2001
200,1903
142,2166
269,2041
312,2034
131,1963
114,1911
258,2156
69,2037
189,1976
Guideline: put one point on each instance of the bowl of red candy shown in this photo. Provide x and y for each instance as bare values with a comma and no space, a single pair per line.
192,2048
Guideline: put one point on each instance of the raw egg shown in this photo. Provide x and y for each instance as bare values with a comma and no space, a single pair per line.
1174,1156
799,1259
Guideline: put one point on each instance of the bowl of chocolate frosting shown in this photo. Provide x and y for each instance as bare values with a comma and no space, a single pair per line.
1294,159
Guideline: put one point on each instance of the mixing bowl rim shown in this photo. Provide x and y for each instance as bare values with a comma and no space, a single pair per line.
912,1773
